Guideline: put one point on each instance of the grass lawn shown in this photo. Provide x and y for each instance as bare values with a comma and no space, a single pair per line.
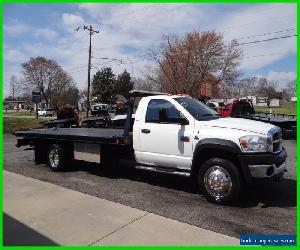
20,113
288,108
14,124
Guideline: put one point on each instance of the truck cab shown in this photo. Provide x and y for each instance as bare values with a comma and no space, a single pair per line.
181,134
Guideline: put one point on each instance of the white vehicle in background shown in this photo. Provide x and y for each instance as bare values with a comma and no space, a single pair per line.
46,112
100,109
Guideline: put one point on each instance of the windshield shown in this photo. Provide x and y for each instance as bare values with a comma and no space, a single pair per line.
197,109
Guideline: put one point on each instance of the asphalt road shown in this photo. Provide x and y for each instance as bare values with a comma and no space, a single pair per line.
267,208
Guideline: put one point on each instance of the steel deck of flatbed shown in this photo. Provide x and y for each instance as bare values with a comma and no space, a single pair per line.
94,135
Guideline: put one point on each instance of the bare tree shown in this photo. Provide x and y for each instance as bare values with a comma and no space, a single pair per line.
267,89
291,89
197,58
247,86
15,87
46,76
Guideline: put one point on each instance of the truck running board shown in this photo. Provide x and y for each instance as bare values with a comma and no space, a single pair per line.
164,170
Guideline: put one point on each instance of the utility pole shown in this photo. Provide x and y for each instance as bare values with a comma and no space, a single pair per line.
13,90
91,32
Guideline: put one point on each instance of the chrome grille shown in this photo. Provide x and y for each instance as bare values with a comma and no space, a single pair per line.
276,139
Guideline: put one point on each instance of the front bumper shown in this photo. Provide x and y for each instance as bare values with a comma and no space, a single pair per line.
263,165
265,171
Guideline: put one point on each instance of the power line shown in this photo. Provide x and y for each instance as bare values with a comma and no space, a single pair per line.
262,55
107,58
264,34
266,40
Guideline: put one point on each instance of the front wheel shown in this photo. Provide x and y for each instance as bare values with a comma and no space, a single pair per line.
219,180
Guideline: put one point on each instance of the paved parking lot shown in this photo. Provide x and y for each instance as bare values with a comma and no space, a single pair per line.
266,208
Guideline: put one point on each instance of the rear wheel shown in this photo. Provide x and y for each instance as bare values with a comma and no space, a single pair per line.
56,158
220,181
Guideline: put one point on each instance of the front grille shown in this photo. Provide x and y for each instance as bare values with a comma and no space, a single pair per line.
276,139
277,146
276,136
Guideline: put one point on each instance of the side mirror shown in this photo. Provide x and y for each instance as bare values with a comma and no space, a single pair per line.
183,120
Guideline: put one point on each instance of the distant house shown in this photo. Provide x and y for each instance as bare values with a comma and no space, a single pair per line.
253,98
262,101
16,104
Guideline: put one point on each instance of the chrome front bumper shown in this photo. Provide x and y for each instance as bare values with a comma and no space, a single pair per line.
265,171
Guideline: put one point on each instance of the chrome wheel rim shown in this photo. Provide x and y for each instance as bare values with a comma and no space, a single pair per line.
54,158
217,182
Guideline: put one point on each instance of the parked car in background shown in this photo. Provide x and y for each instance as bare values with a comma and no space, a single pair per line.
212,106
66,117
100,109
215,104
100,117
46,112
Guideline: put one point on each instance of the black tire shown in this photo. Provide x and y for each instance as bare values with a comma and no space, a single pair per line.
218,167
59,163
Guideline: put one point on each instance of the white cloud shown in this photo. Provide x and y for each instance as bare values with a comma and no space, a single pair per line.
72,20
45,33
14,56
15,28
281,77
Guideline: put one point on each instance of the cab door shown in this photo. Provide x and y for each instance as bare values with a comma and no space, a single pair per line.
165,139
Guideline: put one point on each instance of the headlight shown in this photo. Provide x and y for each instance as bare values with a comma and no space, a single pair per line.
254,143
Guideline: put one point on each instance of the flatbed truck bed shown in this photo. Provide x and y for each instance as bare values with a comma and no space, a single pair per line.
96,135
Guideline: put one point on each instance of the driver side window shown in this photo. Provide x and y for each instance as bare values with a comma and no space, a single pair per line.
162,111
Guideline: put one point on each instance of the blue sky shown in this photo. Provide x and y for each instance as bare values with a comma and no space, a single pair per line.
127,31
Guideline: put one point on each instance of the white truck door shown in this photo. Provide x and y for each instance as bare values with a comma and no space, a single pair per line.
164,140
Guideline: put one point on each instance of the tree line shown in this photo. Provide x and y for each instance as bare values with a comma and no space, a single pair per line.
262,87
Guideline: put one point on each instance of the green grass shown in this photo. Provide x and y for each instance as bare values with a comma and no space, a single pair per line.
288,108
11,125
20,113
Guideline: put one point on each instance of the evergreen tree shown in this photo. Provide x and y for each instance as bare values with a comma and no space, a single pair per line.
124,84
103,85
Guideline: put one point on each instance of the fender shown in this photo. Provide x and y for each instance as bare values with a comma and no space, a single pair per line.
224,145
215,143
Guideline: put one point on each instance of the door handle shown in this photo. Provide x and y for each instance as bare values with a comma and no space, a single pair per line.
146,131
